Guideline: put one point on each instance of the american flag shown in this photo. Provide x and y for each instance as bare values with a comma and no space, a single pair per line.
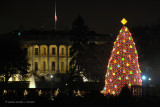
55,13
55,17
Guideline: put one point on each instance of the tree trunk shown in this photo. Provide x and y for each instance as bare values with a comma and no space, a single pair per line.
7,78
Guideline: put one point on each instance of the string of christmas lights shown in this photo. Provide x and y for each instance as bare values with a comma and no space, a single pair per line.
123,67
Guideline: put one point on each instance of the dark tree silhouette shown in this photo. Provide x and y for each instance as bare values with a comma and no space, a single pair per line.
148,42
13,58
95,61
78,47
79,27
125,91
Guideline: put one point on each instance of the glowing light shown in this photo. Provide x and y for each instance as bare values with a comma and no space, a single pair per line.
124,40
113,92
19,33
129,56
122,59
129,85
126,29
127,77
130,46
143,77
127,64
118,65
106,75
136,51
110,80
133,61
130,72
140,80
117,52
109,91
149,79
119,78
123,21
32,82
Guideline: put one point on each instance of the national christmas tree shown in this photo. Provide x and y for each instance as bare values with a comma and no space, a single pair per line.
123,67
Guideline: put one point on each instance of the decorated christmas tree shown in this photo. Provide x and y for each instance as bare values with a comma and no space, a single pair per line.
123,67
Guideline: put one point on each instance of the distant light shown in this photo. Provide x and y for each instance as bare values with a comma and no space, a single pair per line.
85,79
51,76
19,33
143,77
149,79
66,84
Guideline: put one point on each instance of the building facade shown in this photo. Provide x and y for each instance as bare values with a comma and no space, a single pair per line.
48,58
48,53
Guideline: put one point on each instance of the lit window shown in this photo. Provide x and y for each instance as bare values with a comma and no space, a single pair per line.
53,51
36,66
44,66
44,51
62,51
53,66
62,66
36,51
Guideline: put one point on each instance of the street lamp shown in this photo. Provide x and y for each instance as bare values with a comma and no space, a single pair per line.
143,77
51,76
149,79
146,80
51,87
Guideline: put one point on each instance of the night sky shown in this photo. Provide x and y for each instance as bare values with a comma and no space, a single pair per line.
102,16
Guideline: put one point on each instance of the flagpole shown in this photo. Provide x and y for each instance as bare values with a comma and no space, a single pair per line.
55,16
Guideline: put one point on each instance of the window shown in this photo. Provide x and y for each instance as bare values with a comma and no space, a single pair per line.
44,66
36,66
62,51
62,66
44,51
53,51
53,66
36,51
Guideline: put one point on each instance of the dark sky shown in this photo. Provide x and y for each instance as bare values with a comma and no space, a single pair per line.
103,16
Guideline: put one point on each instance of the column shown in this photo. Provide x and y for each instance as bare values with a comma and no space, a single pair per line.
32,57
57,58
48,57
39,59
66,58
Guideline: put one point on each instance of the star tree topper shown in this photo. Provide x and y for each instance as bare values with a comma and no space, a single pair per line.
123,21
